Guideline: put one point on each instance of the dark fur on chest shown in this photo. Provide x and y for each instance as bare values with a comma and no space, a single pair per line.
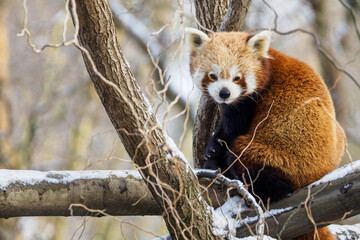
236,118
235,121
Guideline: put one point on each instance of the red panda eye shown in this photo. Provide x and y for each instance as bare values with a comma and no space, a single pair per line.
237,78
213,77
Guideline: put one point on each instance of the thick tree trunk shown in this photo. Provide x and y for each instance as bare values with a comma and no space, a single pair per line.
170,180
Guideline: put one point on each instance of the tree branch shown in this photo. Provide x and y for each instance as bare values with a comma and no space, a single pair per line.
33,193
241,190
51,193
333,198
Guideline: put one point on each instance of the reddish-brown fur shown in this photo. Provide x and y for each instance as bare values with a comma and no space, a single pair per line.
300,138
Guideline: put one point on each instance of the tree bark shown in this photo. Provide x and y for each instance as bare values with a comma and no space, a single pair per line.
213,16
35,193
223,15
171,181
325,203
51,194
119,193
139,31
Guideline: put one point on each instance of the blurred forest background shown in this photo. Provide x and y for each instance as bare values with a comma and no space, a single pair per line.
51,117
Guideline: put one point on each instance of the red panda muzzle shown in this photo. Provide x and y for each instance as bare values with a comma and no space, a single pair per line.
224,93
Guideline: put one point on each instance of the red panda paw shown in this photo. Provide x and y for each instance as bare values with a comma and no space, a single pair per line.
211,164
213,148
215,154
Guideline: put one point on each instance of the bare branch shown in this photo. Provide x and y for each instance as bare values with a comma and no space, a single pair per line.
353,16
155,48
119,193
207,118
332,198
26,32
235,15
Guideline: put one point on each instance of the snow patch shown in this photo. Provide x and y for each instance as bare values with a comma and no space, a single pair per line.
224,224
353,167
256,238
225,221
267,214
31,177
146,103
175,152
344,232
275,212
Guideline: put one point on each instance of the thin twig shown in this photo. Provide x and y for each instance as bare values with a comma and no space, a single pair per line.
103,212
316,39
353,17
321,50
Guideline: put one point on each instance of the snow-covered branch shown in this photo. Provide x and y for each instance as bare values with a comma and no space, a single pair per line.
51,193
239,186
334,197
33,193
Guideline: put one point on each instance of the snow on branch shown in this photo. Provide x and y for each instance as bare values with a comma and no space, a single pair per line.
333,198
119,193
34,193
239,186
338,173
31,177
329,200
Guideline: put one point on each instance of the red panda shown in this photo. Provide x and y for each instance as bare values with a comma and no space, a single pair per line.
277,118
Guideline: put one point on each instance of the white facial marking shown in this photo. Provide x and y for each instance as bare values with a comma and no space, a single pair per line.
250,83
197,77
234,71
217,69
215,87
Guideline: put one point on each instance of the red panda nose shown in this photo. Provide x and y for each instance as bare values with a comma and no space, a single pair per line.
224,93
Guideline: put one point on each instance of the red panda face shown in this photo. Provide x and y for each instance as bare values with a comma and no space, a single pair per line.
224,87
228,66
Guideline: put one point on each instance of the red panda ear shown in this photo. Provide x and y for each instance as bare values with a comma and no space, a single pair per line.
195,38
260,43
